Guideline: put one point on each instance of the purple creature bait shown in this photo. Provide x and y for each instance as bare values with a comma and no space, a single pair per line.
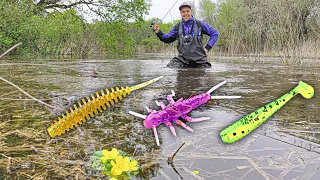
174,110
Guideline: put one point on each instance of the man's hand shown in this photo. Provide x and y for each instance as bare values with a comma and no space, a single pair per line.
156,28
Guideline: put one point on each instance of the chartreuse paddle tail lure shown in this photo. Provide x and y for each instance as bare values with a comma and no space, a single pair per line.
250,122
89,107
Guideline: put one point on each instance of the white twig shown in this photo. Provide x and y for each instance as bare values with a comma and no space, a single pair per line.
27,93
10,49
11,99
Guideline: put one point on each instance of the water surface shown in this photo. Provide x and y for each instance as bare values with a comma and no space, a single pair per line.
285,147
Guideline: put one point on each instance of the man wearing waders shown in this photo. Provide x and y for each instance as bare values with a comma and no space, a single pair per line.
189,35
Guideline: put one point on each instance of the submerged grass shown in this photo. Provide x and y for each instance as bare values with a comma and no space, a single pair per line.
28,151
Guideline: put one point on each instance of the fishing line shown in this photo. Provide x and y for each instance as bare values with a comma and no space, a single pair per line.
170,10
152,23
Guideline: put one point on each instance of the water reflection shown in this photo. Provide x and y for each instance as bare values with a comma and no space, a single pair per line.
190,81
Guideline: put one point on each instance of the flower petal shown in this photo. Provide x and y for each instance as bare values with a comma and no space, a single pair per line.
105,152
116,171
126,160
113,163
119,159
114,151
133,163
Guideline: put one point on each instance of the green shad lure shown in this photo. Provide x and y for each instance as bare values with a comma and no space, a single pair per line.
244,126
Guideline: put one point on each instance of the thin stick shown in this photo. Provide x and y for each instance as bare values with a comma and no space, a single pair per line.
11,99
10,49
191,94
175,170
134,152
27,93
255,165
170,159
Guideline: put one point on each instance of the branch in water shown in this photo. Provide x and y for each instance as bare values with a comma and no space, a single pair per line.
27,93
170,159
12,48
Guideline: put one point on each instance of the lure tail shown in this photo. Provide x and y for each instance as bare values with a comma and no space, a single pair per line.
250,122
89,107
221,97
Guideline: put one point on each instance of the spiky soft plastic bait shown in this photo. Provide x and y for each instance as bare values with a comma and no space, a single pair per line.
174,110
250,122
90,107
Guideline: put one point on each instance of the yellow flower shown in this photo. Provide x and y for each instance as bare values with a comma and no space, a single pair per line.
121,165
133,166
109,154
112,179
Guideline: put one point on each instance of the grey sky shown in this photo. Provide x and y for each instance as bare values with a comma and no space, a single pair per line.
159,9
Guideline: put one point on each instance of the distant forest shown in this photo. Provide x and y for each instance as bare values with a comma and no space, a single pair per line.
286,28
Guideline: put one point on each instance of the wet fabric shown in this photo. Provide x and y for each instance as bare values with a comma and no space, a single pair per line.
178,62
191,51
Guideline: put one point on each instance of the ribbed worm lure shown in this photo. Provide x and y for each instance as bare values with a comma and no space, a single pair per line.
174,110
244,126
88,108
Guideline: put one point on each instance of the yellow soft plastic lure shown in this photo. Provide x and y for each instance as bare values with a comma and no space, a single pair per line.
91,107
246,125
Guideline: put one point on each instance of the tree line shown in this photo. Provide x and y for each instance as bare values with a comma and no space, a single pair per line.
286,28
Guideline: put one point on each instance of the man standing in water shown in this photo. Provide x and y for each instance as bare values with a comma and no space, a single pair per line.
189,35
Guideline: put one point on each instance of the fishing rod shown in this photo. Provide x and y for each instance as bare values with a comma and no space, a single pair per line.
152,22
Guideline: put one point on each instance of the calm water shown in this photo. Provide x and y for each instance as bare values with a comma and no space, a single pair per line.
287,146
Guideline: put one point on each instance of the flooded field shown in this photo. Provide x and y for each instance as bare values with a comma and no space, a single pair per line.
287,146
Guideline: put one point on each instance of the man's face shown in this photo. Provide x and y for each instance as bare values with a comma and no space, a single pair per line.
186,13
